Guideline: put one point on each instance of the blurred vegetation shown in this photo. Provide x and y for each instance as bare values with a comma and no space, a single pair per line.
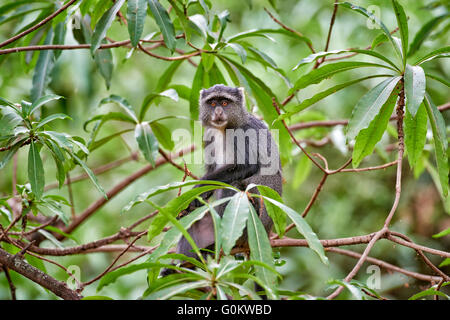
350,204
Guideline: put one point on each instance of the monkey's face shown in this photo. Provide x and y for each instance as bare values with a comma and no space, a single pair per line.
218,107
222,107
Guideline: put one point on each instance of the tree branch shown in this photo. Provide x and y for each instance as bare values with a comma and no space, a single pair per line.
19,265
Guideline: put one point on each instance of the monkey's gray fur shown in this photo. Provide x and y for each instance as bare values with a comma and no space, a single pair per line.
223,108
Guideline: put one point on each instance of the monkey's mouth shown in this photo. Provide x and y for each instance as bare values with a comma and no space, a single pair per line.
219,123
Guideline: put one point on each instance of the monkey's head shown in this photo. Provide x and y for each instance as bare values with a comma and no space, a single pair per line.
222,107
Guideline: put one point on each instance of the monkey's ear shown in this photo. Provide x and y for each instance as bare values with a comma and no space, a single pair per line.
242,91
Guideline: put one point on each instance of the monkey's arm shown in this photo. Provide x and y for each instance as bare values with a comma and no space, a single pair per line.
228,174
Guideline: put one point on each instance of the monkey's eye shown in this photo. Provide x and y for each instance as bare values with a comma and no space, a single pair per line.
213,104
224,103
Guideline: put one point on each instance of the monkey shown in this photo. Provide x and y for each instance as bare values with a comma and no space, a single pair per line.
238,150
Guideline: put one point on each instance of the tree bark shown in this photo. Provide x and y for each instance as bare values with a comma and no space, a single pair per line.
19,265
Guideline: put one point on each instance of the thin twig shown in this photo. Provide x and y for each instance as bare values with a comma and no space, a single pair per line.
38,25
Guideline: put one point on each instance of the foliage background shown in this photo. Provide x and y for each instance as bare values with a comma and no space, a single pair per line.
350,204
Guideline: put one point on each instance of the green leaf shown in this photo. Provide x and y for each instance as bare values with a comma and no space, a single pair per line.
438,53
8,121
317,75
443,233
7,155
51,118
168,187
136,13
110,116
123,103
164,23
147,142
428,292
381,38
368,138
199,24
402,23
173,235
317,55
167,76
415,134
424,32
355,291
103,25
302,170
240,51
304,229
41,101
35,171
43,69
59,159
369,105
98,143
261,250
233,221
173,207
104,62
169,292
197,85
440,142
445,82
90,174
169,93
263,33
322,95
374,18
111,277
415,84
274,212
163,135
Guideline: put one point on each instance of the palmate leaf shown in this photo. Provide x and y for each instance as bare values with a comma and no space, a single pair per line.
369,105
